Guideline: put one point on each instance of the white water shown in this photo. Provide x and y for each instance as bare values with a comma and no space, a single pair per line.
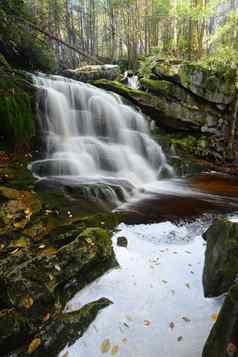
91,134
133,82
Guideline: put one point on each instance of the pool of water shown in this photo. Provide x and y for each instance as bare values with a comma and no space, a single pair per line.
158,304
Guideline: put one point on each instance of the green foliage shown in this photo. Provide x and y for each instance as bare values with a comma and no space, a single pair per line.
17,125
21,46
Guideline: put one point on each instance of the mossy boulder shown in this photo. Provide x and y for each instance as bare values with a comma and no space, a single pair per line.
221,258
211,85
165,111
93,72
225,329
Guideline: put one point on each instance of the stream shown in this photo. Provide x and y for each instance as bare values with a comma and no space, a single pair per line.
99,149
158,304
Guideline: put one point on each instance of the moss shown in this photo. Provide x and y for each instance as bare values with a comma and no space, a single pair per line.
16,106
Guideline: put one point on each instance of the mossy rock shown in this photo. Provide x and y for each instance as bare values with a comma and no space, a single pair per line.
211,85
93,72
166,112
17,100
221,259
225,329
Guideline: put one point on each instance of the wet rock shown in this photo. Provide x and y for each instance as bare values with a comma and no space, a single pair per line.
211,85
93,72
64,330
225,329
167,112
221,258
39,275
122,242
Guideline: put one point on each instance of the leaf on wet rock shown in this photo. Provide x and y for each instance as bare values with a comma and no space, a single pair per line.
57,267
27,302
105,346
51,276
34,345
214,316
15,251
179,338
46,317
48,252
115,350
20,225
66,354
21,242
147,323
172,325
186,319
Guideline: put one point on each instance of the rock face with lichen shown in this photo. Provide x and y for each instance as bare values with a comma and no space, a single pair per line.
212,86
187,97
219,276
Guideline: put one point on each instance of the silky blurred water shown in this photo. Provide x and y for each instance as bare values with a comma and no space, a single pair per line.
158,305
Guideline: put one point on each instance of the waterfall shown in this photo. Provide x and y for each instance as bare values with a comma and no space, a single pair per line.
133,82
92,137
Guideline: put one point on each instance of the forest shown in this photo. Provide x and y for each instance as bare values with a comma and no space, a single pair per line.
119,178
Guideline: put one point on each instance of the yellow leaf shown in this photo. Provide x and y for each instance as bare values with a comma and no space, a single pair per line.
105,346
28,302
214,316
115,350
34,345
21,243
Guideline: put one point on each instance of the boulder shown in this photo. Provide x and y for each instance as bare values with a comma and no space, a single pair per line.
93,72
214,86
225,329
221,258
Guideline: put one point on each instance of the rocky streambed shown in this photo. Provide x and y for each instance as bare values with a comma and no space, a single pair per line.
51,249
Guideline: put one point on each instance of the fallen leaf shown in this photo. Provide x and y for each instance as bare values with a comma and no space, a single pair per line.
214,316
34,345
28,302
15,251
179,338
115,350
57,267
105,346
46,317
66,354
187,285
147,322
164,281
48,252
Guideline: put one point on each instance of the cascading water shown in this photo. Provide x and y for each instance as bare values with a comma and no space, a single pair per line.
92,137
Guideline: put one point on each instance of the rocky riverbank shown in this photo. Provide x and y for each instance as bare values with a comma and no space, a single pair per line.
46,255
219,277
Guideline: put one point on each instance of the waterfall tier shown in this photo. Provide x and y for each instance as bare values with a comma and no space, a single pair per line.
92,136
